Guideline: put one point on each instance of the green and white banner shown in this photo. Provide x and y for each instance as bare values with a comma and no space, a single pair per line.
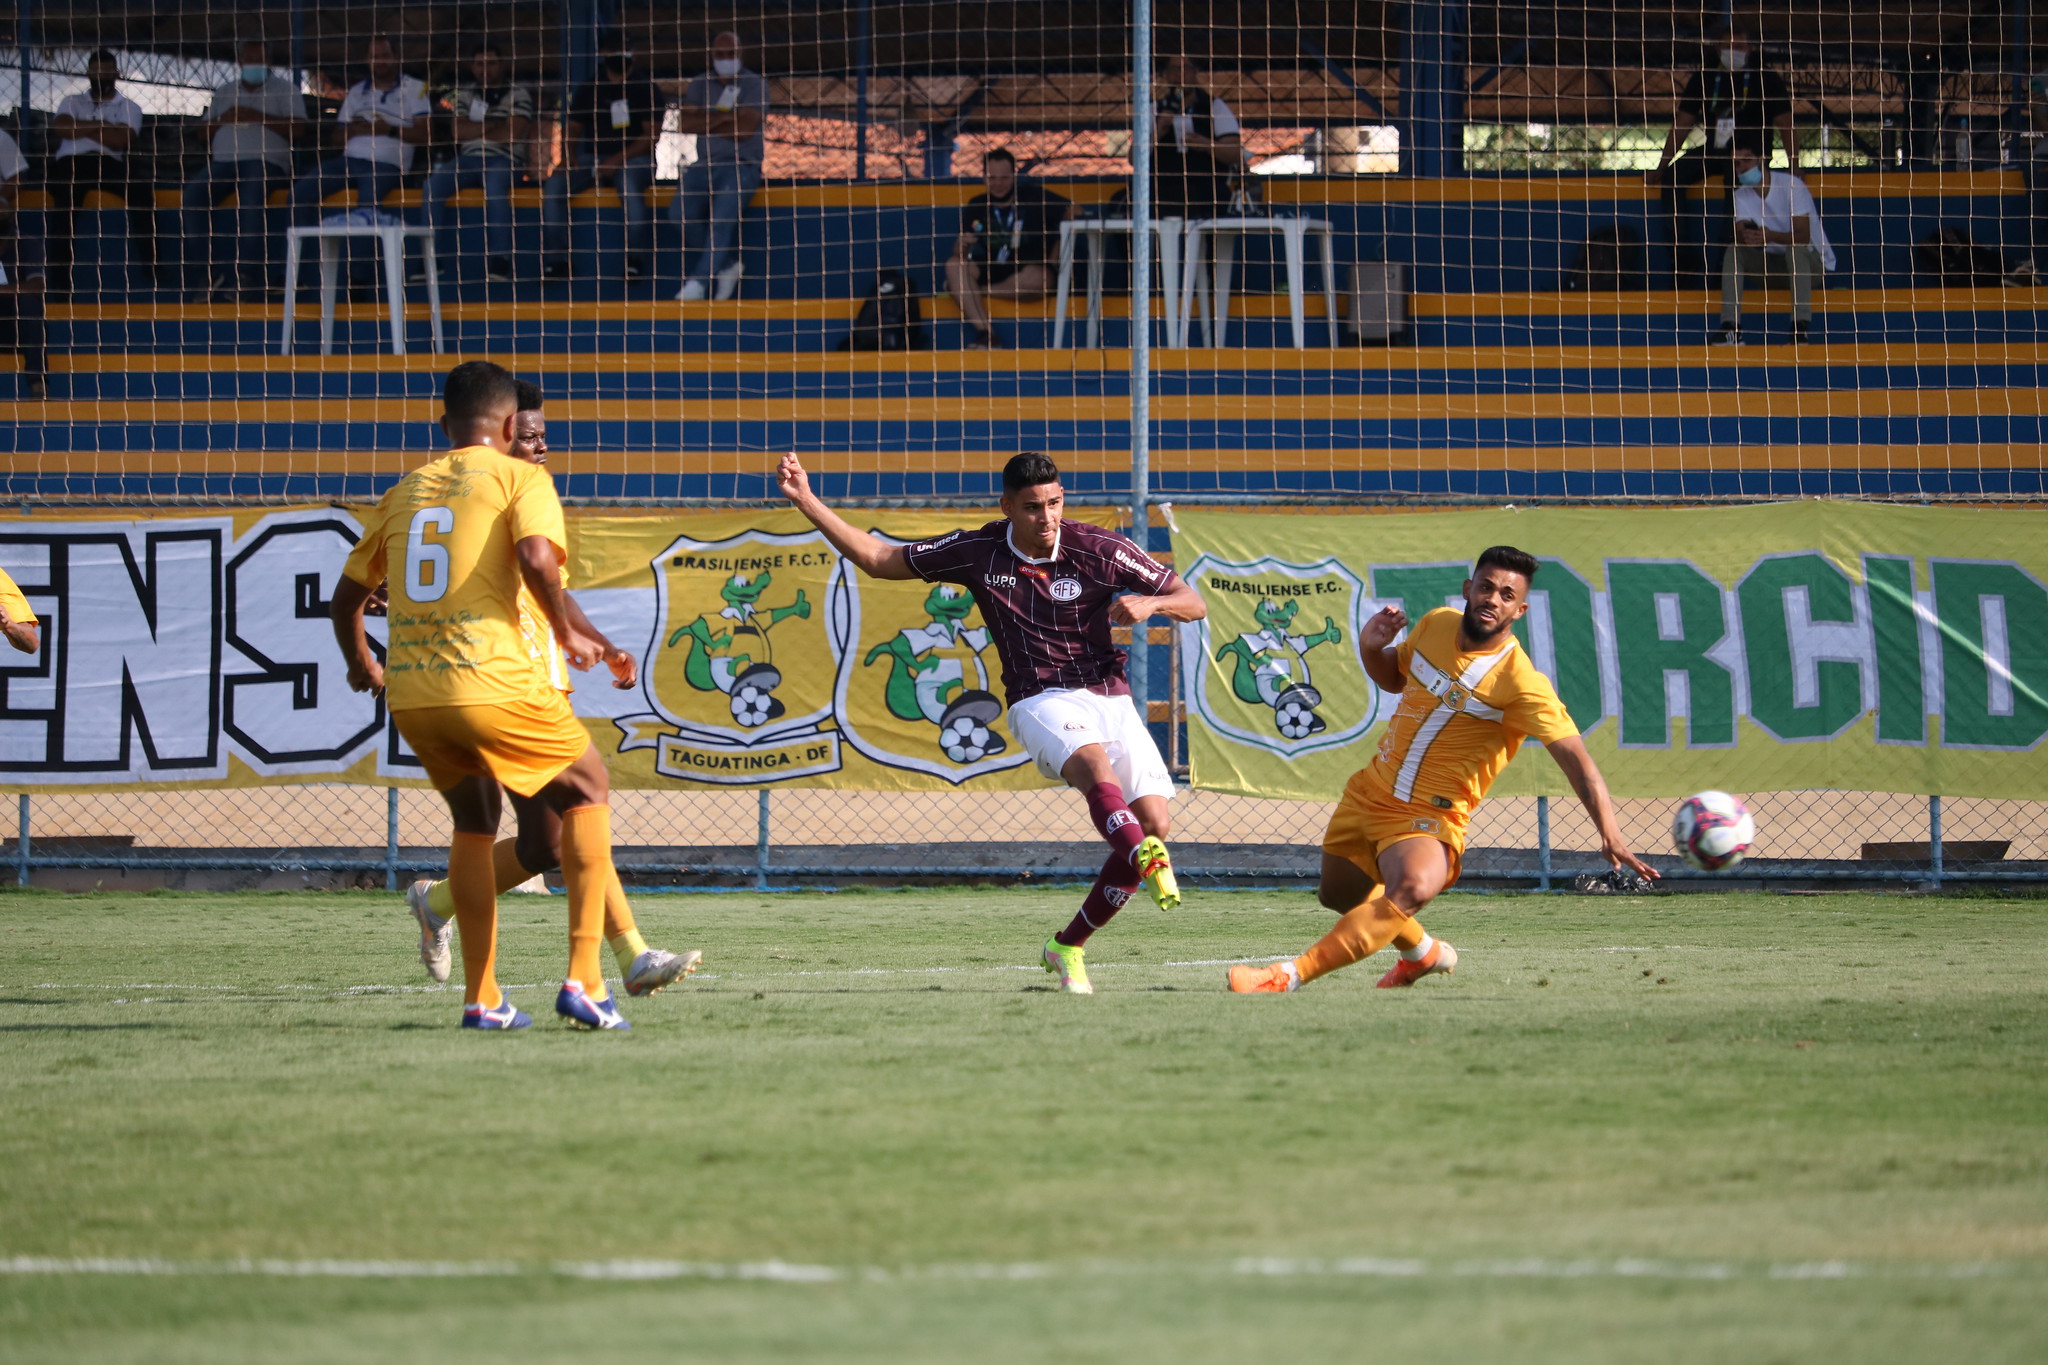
1784,647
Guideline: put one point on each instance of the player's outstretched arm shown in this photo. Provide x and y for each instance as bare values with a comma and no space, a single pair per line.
540,568
23,635
1376,648
872,556
1584,775
365,674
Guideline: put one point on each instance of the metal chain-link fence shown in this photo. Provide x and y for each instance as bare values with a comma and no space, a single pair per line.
331,835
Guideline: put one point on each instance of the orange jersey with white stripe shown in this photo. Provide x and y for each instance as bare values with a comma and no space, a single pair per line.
1461,718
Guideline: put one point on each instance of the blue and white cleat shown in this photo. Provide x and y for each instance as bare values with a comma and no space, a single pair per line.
503,1015
576,1006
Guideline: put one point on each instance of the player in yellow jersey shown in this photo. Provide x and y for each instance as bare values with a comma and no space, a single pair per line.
17,619
460,536
1469,697
538,846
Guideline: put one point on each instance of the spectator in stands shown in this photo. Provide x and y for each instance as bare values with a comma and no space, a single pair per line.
492,121
97,129
1777,235
382,120
1196,147
1731,98
610,126
250,126
727,108
1008,236
21,303
2034,162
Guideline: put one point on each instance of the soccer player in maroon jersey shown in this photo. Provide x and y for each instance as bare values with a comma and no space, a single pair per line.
1049,590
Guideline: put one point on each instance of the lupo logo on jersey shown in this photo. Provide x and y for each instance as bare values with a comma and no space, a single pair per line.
916,677
1275,663
732,670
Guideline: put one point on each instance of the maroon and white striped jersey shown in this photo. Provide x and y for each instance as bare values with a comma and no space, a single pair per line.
1049,617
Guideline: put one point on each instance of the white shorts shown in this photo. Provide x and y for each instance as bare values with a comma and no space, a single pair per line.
1053,725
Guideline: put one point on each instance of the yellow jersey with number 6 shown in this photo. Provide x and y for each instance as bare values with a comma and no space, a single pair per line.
1461,718
444,535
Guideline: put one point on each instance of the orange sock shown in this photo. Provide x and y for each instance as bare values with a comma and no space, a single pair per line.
1360,934
476,917
505,865
586,873
1410,936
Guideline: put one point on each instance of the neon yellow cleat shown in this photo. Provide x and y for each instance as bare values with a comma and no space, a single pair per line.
1069,965
1156,868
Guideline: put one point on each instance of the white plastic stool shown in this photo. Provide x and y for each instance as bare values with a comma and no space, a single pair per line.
1294,233
391,243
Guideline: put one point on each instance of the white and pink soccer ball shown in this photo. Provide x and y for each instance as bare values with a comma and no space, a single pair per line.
1713,831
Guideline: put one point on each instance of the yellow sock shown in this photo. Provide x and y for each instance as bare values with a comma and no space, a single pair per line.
626,947
1410,936
475,907
506,873
1360,934
586,871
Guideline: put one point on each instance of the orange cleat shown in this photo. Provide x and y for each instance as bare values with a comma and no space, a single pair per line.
1272,978
1442,958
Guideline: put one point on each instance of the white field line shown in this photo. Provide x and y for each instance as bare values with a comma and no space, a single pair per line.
790,1272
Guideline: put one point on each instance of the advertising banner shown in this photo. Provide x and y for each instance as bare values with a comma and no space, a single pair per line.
196,650
1781,647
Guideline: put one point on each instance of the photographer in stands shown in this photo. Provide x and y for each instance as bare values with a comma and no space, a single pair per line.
1195,147
1730,99
1777,236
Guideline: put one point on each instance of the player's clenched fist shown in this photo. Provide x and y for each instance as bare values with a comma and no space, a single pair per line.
791,479
1381,628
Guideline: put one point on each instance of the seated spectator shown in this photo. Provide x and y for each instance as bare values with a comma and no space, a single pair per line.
250,124
492,122
727,108
1196,147
97,129
609,129
1777,234
1008,237
21,290
382,119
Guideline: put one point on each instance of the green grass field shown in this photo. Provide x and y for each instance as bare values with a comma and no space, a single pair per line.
1698,1128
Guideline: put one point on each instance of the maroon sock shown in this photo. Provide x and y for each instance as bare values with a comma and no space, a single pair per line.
1113,819
1113,889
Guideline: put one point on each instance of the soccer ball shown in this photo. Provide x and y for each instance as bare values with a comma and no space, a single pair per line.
1713,831
751,705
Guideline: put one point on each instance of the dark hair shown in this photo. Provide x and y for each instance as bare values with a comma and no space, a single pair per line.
1509,558
1751,143
101,56
999,154
484,45
1029,470
475,387
384,38
531,398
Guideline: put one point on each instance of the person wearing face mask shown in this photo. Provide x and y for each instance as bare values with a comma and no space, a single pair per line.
1778,236
727,109
249,127
492,120
610,125
96,130
1730,98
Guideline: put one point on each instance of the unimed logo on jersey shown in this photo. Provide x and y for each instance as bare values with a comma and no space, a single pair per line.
1275,663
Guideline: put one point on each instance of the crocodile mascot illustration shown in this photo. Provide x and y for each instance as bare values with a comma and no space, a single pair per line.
1269,667
731,652
936,674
